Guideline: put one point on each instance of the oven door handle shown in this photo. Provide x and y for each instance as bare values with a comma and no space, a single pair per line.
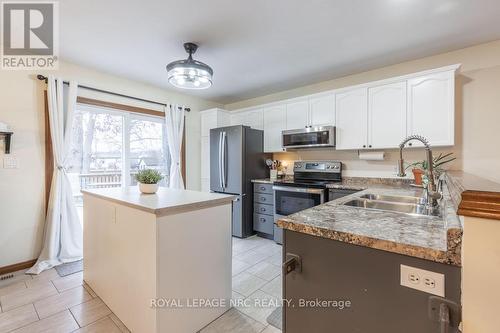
299,189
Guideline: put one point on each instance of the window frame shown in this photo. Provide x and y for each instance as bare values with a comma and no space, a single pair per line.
126,111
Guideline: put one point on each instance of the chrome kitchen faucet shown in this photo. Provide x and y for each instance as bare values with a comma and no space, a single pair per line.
431,194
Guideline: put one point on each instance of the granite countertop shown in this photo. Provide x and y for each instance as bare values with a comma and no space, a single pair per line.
165,202
437,239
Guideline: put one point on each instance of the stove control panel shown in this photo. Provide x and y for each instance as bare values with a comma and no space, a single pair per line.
318,166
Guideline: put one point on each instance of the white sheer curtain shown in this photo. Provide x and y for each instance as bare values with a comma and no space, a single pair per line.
174,120
63,236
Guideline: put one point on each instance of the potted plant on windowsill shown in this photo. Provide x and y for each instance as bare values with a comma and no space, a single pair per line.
420,168
148,180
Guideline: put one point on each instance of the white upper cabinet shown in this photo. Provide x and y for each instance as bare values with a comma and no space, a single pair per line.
213,118
351,111
274,124
431,108
252,118
297,114
374,115
255,119
322,110
386,115
237,118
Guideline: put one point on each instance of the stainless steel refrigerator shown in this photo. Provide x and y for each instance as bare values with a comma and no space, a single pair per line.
236,157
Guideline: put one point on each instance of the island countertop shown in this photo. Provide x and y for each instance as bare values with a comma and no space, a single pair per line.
166,201
437,239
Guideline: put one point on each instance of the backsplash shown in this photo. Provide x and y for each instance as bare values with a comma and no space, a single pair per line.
354,167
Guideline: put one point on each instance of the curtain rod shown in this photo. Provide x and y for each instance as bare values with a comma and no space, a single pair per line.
44,78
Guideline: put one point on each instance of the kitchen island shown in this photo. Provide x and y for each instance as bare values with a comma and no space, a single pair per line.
151,257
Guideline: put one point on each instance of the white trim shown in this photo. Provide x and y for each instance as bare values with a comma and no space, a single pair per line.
126,181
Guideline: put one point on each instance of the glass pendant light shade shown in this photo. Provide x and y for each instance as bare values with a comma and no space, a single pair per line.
189,73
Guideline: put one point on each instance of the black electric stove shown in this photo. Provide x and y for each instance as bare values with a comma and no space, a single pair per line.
306,190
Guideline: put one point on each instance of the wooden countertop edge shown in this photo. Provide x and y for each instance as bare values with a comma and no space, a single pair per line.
480,204
192,206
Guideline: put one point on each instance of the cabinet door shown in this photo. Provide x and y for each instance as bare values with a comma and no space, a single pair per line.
237,118
213,119
387,115
223,118
254,119
327,273
351,112
322,110
431,108
274,123
208,121
297,115
205,157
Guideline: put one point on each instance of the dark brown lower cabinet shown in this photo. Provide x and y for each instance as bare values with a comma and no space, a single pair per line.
368,278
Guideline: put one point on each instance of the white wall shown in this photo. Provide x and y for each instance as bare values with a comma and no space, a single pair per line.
477,112
22,192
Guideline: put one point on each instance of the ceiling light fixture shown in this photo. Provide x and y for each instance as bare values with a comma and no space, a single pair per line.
189,73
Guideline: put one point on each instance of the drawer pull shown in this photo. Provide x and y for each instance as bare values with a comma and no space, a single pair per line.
262,188
262,219
262,199
292,263
262,209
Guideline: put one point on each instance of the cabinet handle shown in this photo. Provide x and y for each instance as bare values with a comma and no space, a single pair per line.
364,146
262,198
262,219
262,188
369,146
292,263
262,209
410,144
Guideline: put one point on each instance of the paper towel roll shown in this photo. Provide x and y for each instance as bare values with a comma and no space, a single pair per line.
371,155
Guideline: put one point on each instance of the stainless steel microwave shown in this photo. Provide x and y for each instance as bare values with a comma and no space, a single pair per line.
309,137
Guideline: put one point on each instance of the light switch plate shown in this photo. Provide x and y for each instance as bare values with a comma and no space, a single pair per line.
10,162
420,279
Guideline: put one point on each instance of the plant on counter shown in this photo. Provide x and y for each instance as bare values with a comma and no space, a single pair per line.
420,167
148,180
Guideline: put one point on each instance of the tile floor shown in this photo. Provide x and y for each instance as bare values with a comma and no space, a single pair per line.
49,303
256,276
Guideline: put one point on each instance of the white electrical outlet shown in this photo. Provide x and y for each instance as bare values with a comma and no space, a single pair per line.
420,279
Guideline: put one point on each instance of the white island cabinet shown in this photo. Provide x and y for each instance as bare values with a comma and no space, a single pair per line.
172,248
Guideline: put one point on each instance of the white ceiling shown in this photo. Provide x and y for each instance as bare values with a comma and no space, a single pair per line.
257,47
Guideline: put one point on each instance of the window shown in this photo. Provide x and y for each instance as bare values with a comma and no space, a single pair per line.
108,147
148,146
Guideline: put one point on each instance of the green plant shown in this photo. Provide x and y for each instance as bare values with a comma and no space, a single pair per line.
148,176
437,162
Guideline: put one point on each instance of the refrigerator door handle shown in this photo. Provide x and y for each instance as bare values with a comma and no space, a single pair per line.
220,162
224,176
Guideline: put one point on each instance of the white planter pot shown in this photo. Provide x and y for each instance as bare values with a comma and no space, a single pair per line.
148,188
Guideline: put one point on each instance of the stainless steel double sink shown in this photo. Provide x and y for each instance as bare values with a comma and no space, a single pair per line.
392,203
